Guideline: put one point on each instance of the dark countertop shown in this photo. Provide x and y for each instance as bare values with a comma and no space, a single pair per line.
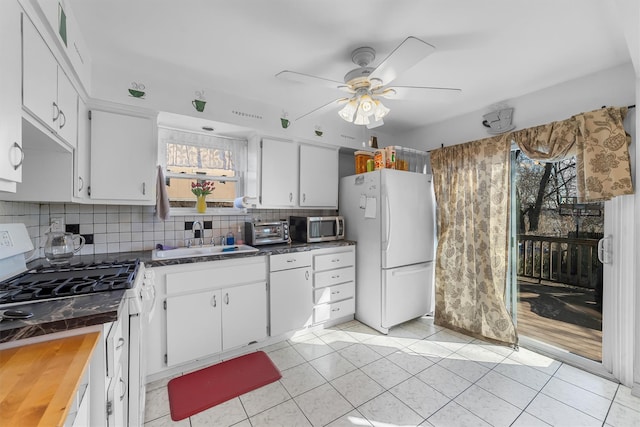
277,249
103,307
62,315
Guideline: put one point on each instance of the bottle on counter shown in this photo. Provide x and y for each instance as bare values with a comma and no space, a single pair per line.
230,239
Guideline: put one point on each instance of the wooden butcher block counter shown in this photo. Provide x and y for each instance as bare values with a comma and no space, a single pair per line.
38,381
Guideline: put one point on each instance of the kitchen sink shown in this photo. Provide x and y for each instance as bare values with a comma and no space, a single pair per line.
196,251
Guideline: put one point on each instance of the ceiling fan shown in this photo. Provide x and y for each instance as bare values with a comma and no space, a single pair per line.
366,84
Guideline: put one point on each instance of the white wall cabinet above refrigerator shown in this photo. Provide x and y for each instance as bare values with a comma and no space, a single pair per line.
11,152
298,175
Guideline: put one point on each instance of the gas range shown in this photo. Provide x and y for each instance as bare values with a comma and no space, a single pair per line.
57,281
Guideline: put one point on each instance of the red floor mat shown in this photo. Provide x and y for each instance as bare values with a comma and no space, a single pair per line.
200,390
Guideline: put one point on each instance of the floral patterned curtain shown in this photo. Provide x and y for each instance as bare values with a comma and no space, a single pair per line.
471,183
600,144
602,155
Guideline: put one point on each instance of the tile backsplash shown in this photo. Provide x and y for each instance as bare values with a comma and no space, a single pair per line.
123,228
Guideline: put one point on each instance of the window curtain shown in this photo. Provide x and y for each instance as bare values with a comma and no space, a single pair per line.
598,141
202,151
471,183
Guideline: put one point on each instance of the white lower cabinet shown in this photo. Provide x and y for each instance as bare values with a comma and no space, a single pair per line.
334,283
209,308
290,292
193,326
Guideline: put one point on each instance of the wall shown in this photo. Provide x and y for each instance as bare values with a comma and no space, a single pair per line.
120,228
612,87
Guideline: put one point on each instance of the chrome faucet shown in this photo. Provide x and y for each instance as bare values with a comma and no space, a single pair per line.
193,229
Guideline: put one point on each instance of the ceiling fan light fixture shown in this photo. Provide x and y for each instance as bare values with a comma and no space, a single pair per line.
380,110
349,110
366,104
361,119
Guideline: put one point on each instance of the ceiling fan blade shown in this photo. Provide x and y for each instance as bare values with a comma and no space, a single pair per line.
329,105
293,76
420,92
406,55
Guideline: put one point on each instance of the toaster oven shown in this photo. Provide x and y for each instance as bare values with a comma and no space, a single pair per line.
266,233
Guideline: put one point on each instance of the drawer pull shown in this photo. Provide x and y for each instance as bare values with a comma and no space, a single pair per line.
335,293
337,276
335,309
291,260
120,343
335,260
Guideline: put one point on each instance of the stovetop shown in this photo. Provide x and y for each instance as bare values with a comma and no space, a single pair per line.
57,281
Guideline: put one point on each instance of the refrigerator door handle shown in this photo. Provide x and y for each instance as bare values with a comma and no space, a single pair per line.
387,222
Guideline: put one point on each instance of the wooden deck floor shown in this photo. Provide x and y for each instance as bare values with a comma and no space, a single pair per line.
563,316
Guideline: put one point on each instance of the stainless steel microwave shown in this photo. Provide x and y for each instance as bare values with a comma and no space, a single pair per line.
266,233
310,229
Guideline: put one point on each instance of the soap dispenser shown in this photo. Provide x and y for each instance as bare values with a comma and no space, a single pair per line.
230,238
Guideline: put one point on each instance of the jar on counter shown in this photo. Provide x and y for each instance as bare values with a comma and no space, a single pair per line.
361,160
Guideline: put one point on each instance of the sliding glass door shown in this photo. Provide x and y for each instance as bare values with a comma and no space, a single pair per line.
557,279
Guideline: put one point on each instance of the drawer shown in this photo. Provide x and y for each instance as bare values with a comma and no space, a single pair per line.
115,345
333,277
217,274
334,293
325,312
335,260
291,260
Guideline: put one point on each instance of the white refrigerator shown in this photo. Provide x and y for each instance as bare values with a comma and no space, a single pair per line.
390,214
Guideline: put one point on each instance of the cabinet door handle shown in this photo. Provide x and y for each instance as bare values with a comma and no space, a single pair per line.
63,119
290,197
124,388
226,298
17,146
120,343
214,303
304,197
56,111
81,182
144,188
306,275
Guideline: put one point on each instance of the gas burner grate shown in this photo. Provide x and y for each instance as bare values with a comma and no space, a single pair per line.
48,282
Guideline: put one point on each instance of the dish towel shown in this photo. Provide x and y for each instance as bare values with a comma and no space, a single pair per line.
162,198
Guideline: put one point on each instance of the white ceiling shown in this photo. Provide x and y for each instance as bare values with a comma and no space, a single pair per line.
493,50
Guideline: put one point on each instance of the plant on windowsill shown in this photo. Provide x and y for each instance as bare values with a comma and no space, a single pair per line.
202,189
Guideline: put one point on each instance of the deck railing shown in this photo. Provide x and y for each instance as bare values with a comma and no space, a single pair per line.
563,260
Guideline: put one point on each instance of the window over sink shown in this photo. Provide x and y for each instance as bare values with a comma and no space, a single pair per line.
190,158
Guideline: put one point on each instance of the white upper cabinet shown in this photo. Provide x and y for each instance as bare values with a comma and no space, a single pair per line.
279,184
11,153
81,157
298,175
47,93
318,176
123,153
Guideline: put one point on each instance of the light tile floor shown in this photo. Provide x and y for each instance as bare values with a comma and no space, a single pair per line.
419,374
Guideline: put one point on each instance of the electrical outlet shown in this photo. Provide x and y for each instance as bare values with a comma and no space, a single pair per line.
57,224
